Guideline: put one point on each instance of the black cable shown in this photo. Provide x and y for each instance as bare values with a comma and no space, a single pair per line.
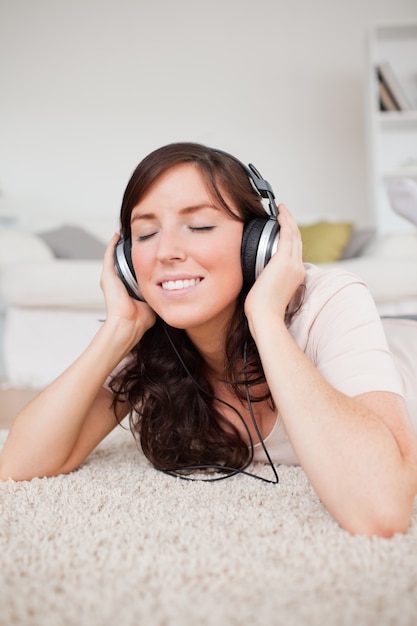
231,471
255,423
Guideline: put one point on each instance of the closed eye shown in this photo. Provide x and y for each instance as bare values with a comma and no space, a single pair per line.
192,228
145,237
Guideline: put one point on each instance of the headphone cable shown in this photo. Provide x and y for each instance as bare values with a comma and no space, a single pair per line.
231,471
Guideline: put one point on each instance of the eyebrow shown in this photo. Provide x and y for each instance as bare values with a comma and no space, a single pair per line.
185,211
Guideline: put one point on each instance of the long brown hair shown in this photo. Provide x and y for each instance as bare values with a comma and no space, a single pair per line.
174,417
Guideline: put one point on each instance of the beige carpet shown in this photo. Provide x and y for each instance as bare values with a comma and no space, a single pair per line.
117,543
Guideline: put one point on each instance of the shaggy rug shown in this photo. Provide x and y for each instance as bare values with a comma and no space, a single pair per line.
118,543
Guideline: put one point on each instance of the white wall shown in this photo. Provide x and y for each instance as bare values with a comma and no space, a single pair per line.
88,87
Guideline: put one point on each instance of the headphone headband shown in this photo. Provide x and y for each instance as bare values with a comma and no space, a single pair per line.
259,183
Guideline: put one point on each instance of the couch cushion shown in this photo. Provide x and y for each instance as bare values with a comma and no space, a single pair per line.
394,246
357,243
18,246
387,279
73,242
324,242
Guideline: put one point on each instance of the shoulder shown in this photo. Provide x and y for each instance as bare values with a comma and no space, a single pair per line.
337,306
330,293
324,282
339,329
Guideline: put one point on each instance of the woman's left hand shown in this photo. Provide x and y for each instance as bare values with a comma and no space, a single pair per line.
359,453
282,276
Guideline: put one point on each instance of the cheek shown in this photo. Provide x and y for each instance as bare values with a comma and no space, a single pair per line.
234,245
140,262
228,260
232,257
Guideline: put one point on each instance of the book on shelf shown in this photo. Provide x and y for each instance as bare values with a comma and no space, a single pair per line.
386,102
391,90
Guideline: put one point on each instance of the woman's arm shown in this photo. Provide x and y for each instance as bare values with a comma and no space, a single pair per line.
56,431
360,454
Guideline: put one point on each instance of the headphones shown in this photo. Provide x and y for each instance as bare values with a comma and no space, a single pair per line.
259,240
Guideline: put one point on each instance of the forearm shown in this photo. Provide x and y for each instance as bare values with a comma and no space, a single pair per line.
350,456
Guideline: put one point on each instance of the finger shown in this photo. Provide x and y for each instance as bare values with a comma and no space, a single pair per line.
109,252
285,218
290,233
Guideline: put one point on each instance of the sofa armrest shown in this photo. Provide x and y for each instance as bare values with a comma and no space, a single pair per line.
60,283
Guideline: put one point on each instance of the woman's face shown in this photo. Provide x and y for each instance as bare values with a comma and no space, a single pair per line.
186,252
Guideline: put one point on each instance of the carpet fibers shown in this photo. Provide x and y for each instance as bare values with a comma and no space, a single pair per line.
118,543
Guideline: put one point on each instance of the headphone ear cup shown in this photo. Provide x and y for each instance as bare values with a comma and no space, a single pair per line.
124,267
259,243
250,240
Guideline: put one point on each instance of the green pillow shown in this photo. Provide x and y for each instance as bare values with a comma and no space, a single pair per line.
324,242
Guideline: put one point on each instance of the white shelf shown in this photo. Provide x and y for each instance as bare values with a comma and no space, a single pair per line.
397,119
392,135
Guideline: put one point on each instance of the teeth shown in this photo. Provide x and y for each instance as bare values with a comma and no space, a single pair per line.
171,285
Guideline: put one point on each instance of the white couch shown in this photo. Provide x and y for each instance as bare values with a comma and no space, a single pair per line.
53,306
388,265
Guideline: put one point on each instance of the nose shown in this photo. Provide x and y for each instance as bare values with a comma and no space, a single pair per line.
170,246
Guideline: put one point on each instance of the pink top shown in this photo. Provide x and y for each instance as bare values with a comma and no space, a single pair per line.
340,331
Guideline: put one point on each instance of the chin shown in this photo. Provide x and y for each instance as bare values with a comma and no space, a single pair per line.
181,323
181,319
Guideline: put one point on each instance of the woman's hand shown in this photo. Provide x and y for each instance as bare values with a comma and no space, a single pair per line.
137,316
359,453
284,273
57,430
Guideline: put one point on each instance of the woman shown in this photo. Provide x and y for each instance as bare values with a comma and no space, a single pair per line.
204,351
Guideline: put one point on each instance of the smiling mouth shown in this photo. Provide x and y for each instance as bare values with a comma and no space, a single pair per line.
173,285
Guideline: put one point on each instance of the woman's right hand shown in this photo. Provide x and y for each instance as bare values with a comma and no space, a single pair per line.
136,316
57,430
